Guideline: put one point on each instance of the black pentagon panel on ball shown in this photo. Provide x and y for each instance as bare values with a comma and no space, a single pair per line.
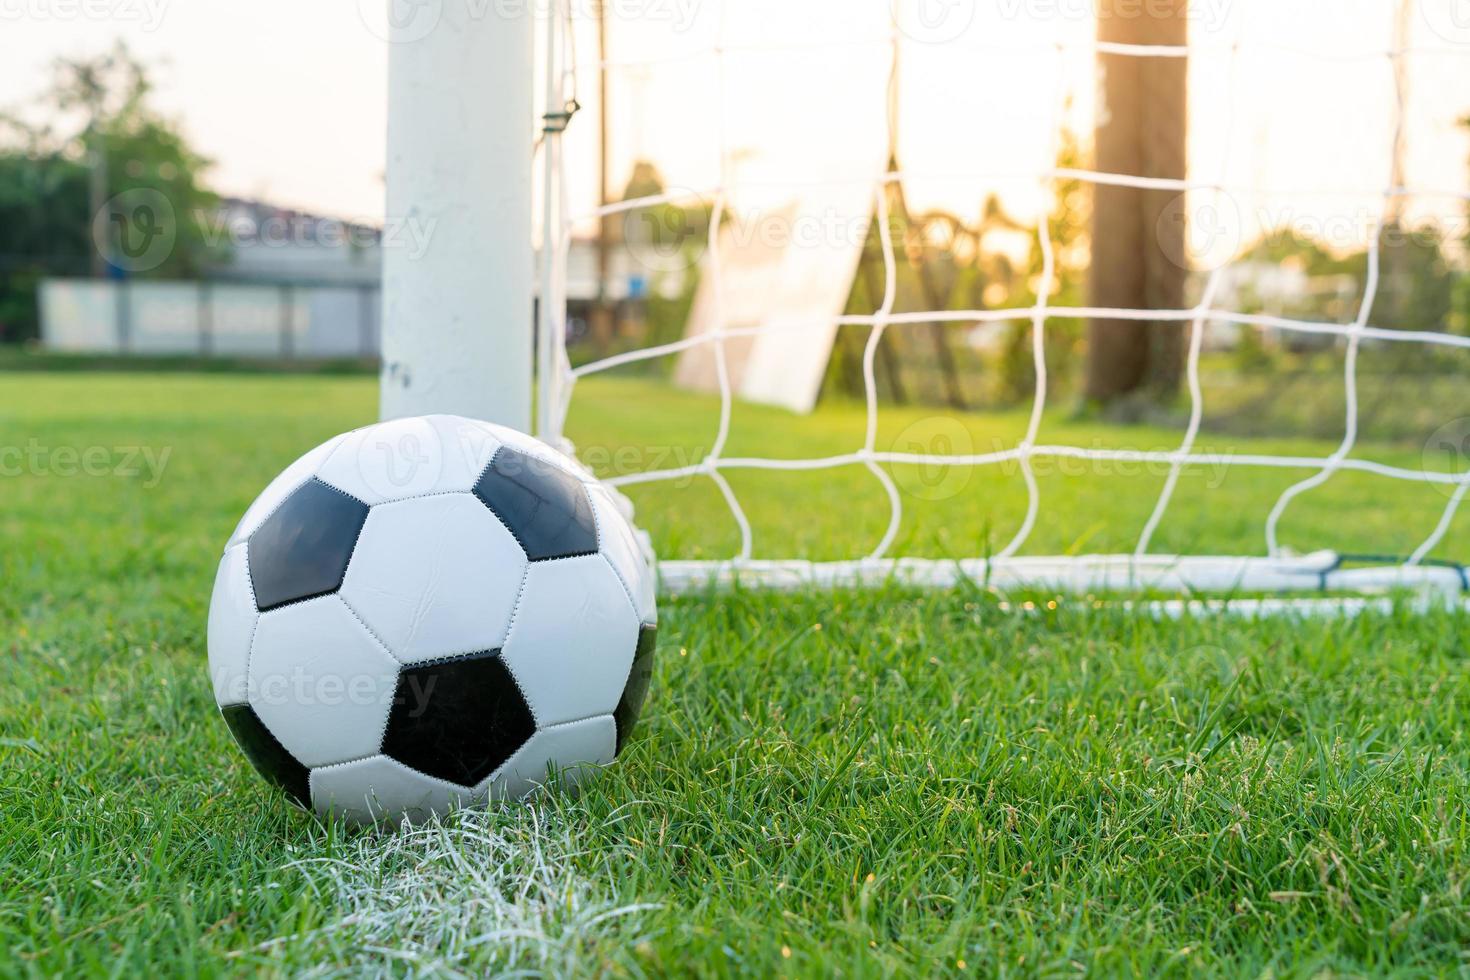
268,755
635,692
458,720
302,549
547,509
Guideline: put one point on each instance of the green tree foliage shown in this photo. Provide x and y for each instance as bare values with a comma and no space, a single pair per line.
99,126
666,241
946,263
1068,228
1417,285
1291,381
44,221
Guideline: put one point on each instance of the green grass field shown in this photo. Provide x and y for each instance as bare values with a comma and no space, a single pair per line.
875,783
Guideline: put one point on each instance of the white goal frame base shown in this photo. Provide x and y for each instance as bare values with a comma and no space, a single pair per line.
1097,574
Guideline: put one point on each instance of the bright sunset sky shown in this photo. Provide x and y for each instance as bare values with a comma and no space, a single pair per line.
289,97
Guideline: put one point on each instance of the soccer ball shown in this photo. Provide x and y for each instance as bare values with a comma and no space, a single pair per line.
430,613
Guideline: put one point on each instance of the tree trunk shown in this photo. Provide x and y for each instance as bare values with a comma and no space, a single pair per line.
1138,244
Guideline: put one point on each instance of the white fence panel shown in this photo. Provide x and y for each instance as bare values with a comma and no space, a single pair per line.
211,318
79,316
161,319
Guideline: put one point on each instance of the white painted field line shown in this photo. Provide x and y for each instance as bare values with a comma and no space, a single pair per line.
482,892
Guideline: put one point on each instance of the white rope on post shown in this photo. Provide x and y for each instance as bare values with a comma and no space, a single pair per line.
548,318
1359,325
1214,460
869,453
1004,314
1197,334
1038,340
714,262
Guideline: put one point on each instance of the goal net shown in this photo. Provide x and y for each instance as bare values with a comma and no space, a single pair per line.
831,301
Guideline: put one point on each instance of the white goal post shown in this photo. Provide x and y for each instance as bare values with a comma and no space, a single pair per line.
456,318
490,284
